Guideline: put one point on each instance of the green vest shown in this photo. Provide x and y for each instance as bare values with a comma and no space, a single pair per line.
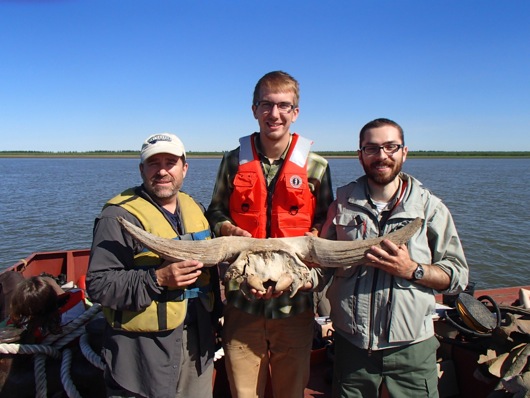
168,311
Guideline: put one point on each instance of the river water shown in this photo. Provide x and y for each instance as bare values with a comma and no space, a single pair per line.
50,204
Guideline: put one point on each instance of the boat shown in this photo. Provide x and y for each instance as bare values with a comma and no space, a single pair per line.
470,344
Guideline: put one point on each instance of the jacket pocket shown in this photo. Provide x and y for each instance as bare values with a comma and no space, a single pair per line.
343,300
411,311
350,226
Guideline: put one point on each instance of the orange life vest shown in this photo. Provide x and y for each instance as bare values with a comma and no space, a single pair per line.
287,206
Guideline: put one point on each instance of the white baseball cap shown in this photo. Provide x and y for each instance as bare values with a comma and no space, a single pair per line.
162,143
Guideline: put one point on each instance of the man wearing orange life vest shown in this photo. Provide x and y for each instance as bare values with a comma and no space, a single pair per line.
270,186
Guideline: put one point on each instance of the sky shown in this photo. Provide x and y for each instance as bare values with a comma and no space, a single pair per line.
83,75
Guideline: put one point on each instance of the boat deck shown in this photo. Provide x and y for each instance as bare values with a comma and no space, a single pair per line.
458,362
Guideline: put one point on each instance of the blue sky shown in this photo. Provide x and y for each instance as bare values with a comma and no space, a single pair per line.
79,75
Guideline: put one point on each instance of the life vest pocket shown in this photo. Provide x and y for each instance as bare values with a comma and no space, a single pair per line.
292,188
244,184
292,223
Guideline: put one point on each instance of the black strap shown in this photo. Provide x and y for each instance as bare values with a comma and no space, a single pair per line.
161,310
117,319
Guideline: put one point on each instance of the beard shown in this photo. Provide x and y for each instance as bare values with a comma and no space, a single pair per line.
386,177
162,192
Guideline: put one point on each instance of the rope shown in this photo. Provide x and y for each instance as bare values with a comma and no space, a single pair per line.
72,327
66,379
89,353
11,349
51,346
39,368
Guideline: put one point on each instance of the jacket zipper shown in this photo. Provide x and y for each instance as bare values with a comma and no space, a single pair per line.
376,272
372,313
371,328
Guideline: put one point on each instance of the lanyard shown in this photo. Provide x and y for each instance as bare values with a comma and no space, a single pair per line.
400,197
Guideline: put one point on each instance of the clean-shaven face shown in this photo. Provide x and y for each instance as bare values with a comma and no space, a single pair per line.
273,124
382,168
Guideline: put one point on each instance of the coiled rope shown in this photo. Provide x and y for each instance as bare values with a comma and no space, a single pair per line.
51,347
89,354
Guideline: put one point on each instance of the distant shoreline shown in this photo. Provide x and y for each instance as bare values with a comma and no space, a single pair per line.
216,155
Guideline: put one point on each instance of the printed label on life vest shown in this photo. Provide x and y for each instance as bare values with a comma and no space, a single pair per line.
296,181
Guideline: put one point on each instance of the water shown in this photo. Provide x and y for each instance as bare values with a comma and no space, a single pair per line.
50,204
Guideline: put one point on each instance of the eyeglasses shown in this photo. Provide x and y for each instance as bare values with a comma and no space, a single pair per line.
388,148
266,106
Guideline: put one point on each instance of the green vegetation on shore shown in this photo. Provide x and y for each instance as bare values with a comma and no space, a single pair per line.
192,154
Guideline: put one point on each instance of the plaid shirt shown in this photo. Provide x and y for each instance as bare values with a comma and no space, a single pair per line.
319,180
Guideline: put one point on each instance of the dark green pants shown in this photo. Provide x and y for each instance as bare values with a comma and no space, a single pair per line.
407,372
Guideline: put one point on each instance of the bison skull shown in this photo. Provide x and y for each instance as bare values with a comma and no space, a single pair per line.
276,260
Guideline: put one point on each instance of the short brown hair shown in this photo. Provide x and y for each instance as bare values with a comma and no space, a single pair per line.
277,81
380,123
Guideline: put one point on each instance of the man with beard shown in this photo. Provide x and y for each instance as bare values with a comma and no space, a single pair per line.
382,309
159,335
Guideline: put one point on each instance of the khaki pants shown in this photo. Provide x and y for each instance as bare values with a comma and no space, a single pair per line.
253,344
408,372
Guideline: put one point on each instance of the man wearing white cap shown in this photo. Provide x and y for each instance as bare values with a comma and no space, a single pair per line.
159,336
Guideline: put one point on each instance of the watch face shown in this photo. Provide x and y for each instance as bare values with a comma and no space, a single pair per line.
418,274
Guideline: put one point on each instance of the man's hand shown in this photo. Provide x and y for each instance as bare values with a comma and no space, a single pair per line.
229,229
394,259
313,232
180,275
267,295
270,293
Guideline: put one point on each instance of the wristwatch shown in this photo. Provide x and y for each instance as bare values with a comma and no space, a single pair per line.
418,273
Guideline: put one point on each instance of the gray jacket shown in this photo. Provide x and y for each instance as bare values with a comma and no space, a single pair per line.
371,308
